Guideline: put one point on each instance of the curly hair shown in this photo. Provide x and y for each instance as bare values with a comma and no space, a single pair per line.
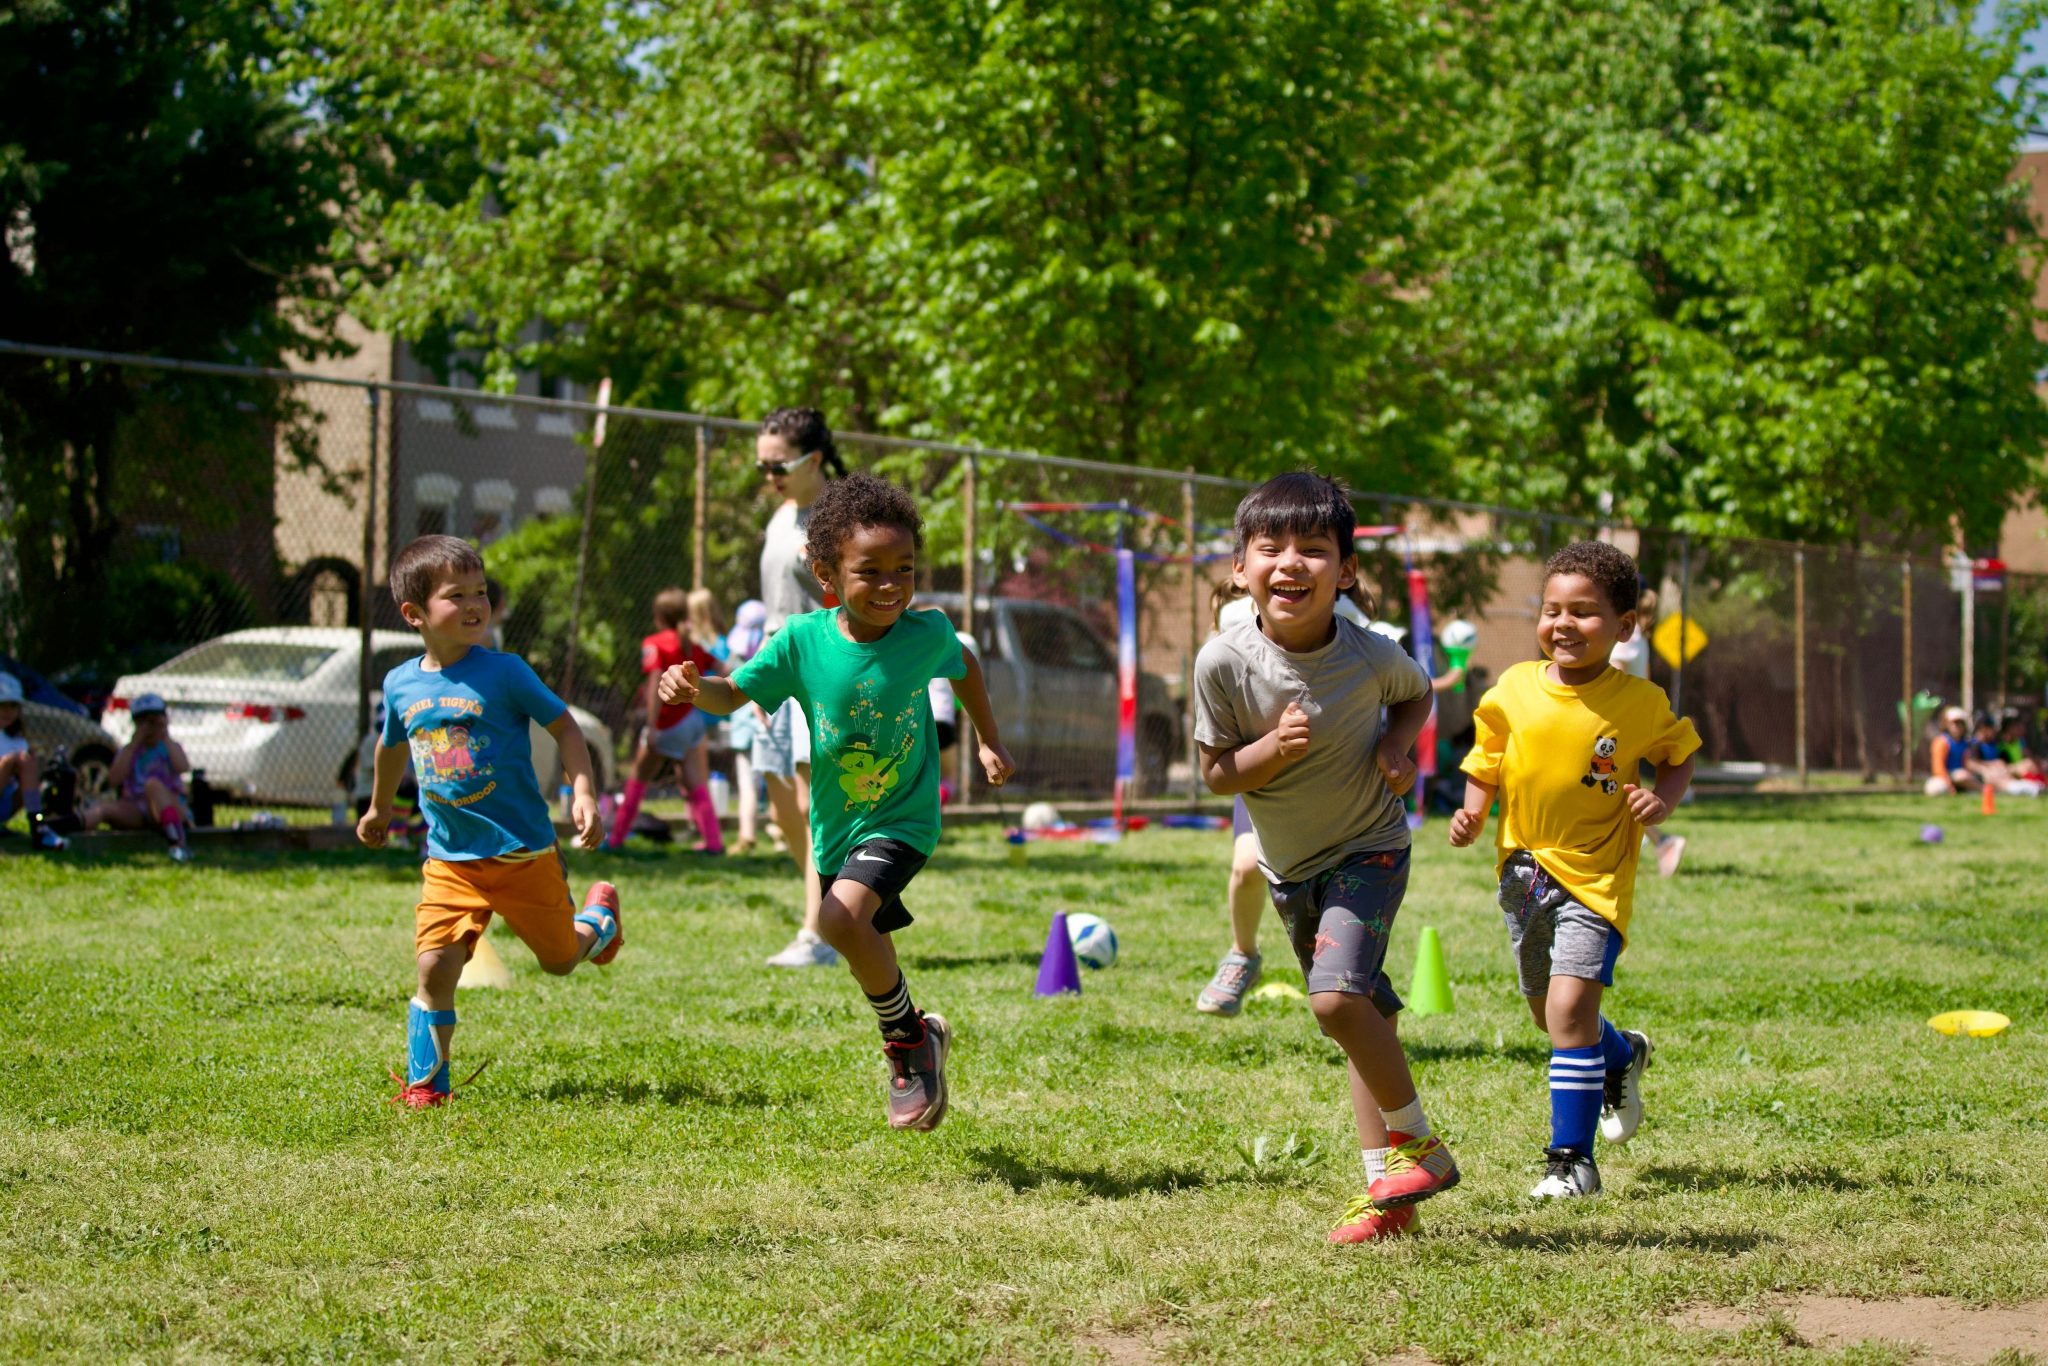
858,500
1609,569
805,429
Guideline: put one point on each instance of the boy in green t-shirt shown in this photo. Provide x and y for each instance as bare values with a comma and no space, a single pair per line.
861,672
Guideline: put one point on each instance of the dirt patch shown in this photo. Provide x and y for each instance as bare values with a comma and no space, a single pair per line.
1120,1349
1943,1331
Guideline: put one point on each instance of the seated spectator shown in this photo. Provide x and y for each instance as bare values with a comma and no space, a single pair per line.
1986,758
148,780
1948,767
2012,743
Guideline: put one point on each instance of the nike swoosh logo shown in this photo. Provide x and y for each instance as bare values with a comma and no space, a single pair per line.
865,857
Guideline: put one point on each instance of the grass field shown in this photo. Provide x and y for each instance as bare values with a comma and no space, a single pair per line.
685,1157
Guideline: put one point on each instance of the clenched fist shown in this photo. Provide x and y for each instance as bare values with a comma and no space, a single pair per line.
1645,805
678,684
1292,732
1465,827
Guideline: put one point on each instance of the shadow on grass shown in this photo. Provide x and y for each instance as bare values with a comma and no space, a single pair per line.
1743,872
1576,1240
1689,1176
1015,958
1471,1050
673,1091
1020,1175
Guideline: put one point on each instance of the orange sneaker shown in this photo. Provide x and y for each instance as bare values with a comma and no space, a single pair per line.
604,898
1417,1168
1363,1223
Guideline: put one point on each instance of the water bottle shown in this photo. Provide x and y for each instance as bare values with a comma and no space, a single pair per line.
568,800
721,796
1016,839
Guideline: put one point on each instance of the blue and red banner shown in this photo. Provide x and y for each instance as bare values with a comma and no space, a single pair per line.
1126,675
1421,642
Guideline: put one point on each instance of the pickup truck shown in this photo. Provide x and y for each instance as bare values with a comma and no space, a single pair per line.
1052,682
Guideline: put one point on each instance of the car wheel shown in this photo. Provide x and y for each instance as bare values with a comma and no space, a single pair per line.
92,763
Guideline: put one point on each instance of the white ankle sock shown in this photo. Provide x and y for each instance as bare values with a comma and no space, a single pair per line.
1407,1120
1375,1163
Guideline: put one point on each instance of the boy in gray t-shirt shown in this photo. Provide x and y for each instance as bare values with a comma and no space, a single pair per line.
1287,713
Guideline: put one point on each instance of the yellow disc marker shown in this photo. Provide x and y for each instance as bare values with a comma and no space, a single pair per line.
1977,1024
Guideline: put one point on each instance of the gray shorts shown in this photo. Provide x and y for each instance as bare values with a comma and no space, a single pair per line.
1552,934
786,743
678,740
1339,921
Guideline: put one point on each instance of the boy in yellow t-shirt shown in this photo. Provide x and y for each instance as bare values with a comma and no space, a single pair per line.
1557,740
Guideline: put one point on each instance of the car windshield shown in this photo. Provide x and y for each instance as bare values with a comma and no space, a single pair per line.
262,661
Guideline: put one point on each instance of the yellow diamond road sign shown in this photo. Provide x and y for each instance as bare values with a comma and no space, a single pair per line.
1679,641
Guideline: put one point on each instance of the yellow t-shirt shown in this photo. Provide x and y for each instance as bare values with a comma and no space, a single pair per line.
1560,756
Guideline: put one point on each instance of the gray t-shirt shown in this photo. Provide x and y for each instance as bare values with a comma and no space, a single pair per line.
1332,802
788,588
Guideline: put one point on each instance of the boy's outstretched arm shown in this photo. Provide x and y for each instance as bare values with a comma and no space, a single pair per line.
1470,819
971,690
388,771
1651,805
682,683
575,752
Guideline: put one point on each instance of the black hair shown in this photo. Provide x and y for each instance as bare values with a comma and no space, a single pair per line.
1608,567
427,559
1298,504
805,429
857,501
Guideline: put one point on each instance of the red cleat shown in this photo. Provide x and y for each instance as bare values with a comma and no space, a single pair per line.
1417,1168
418,1095
605,897
1364,1224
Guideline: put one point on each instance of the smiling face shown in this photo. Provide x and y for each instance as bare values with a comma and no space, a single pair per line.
457,612
1294,578
1578,627
875,577
789,472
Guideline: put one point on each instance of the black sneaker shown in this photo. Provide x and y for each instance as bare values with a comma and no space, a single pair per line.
1568,1174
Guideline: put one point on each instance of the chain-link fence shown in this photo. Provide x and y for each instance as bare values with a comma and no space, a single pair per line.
247,518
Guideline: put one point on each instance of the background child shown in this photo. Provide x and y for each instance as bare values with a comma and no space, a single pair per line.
1948,757
1557,740
672,733
21,776
148,776
1287,713
464,712
862,671
746,725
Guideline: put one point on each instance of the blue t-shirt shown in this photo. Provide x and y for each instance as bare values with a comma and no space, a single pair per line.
468,726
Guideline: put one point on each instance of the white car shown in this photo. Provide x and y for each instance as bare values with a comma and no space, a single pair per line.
270,713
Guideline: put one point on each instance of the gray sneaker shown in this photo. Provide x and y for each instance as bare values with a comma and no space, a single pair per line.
1621,1108
1235,975
917,1077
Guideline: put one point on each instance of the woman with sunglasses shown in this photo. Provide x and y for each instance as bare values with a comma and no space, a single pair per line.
795,454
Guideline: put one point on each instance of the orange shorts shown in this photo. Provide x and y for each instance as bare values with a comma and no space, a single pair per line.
532,894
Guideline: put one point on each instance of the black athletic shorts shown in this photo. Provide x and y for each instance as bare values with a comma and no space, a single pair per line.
887,866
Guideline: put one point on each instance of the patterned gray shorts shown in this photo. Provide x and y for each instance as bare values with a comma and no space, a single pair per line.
1552,934
1339,921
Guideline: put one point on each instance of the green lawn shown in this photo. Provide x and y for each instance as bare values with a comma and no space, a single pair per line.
684,1156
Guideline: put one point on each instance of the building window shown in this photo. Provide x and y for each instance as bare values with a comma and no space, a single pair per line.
434,496
493,500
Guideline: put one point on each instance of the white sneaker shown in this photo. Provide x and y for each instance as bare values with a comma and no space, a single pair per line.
1567,1175
1668,855
1621,1109
807,950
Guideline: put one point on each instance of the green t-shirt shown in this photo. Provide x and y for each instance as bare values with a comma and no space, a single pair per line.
874,751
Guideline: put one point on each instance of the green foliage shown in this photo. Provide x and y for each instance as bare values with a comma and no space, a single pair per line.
1743,267
157,194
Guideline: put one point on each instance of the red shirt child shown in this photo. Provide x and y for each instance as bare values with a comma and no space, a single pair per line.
663,650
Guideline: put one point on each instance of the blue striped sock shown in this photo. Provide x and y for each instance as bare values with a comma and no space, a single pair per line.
1577,1079
1616,1050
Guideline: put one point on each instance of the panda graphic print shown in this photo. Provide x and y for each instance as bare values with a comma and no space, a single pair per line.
1601,773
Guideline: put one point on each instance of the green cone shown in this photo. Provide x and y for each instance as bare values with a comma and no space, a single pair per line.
1430,993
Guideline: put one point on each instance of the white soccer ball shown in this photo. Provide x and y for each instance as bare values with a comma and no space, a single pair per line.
1460,635
1094,941
1041,816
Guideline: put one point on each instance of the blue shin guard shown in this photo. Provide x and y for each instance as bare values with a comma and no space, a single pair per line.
603,924
424,1060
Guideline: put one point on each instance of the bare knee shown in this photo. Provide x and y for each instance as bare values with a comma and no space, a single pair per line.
562,969
1334,1010
441,969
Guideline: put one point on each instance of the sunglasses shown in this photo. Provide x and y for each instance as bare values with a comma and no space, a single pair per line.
769,469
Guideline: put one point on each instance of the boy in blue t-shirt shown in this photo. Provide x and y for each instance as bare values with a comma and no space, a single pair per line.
863,672
463,712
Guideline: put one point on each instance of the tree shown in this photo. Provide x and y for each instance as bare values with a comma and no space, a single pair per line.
1140,232
1742,267
158,195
